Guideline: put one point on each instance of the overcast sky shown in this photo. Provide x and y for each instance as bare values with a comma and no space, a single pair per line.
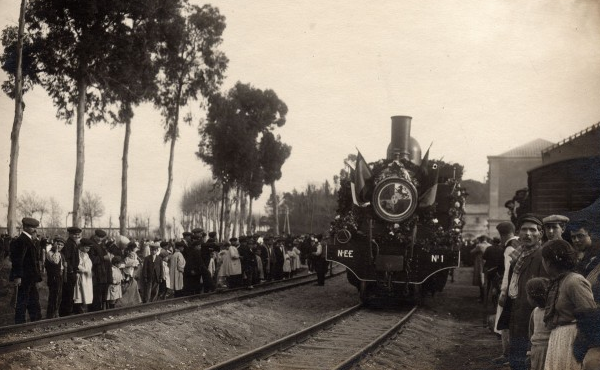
478,78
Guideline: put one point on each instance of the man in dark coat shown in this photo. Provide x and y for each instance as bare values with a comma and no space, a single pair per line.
192,269
248,259
25,272
527,264
101,270
269,258
278,260
71,258
152,273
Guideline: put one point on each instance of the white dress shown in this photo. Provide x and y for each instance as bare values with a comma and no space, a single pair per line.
84,288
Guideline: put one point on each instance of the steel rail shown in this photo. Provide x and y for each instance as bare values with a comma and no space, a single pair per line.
100,328
110,313
358,355
244,360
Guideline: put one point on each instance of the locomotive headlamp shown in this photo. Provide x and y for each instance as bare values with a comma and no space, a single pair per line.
394,199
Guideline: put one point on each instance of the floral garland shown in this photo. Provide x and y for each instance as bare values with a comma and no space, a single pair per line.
445,234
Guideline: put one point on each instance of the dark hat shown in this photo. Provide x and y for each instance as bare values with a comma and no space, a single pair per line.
212,234
179,245
85,242
73,230
100,233
530,217
187,233
196,237
131,246
30,222
58,239
233,240
505,227
164,244
197,230
555,219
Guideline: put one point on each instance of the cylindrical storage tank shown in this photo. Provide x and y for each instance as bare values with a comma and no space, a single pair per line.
400,145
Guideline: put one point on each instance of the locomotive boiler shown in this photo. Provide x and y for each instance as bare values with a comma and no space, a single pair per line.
399,220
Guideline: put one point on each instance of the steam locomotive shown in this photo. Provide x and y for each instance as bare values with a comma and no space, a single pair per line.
399,220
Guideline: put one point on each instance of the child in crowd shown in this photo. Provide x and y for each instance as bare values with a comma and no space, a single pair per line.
114,290
537,291
55,267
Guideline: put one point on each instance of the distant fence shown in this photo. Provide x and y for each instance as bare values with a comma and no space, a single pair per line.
136,232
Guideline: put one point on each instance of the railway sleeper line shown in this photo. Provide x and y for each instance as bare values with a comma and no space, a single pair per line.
335,343
16,337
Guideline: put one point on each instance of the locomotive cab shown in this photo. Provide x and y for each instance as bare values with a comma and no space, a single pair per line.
399,222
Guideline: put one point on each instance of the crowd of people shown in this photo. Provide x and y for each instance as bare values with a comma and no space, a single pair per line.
96,273
547,292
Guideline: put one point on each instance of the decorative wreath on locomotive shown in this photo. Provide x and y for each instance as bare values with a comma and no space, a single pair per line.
399,220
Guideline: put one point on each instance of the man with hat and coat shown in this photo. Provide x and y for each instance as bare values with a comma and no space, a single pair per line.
101,270
71,258
278,260
527,264
554,226
25,272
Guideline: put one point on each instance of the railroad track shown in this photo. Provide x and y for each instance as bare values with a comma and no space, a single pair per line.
16,337
336,343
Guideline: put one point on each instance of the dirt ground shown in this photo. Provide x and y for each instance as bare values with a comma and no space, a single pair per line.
448,333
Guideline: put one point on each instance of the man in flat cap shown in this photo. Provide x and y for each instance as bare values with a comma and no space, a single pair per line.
152,273
26,272
554,226
187,238
54,276
71,258
588,250
527,264
101,270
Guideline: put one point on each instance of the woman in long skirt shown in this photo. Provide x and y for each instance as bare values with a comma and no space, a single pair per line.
131,294
568,292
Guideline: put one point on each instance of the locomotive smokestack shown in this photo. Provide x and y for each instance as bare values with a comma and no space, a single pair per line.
400,145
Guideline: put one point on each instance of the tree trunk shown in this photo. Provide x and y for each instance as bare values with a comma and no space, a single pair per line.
165,202
125,166
221,217
80,162
236,213
249,220
16,130
242,219
275,208
227,228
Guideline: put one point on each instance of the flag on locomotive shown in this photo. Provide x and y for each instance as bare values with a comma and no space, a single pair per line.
399,222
